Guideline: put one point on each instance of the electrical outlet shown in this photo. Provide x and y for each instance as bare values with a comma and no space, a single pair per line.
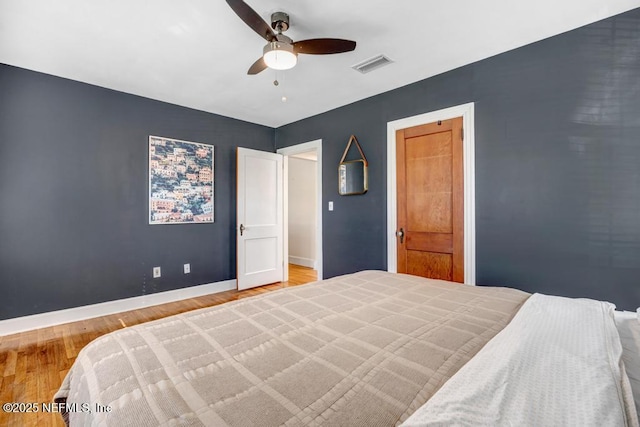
187,268
156,272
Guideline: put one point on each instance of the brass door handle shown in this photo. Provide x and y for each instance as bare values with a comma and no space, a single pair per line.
242,228
400,234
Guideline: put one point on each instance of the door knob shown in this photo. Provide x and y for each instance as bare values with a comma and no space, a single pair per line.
400,234
242,228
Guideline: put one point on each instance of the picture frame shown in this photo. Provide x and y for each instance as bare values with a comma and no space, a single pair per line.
181,181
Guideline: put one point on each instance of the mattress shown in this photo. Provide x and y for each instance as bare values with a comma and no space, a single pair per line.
365,349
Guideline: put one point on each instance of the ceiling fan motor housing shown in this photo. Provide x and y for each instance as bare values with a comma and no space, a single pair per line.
280,21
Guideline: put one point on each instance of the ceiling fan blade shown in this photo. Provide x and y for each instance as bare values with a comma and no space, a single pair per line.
323,46
257,67
252,19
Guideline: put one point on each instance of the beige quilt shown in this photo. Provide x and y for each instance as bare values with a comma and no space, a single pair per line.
366,349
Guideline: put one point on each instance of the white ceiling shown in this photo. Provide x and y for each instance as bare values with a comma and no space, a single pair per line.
196,53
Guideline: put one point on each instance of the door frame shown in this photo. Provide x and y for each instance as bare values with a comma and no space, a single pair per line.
315,145
466,111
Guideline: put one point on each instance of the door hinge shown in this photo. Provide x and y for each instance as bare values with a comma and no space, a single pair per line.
462,134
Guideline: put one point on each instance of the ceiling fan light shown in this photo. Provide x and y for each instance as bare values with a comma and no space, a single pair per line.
279,56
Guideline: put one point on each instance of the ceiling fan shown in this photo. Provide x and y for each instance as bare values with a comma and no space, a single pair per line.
281,53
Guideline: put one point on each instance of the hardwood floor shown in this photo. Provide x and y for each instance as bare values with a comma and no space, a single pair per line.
34,363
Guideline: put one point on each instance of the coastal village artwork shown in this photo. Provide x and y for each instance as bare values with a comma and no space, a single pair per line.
180,181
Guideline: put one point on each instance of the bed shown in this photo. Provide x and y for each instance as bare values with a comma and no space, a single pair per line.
366,349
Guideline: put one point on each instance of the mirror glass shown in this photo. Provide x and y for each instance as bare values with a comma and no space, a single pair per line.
352,178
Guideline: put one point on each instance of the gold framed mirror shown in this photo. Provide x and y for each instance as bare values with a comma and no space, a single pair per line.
353,175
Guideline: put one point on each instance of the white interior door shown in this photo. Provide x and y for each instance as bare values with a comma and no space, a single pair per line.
259,218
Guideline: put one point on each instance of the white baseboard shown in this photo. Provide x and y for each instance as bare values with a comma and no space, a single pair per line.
305,262
52,318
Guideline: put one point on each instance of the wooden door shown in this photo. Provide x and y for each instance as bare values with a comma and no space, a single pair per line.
260,212
430,196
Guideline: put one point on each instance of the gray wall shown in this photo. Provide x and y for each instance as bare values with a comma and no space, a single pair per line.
557,164
74,189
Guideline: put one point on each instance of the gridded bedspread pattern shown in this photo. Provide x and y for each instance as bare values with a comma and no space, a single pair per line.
363,349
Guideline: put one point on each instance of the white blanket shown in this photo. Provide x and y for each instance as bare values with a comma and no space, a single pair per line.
628,324
558,363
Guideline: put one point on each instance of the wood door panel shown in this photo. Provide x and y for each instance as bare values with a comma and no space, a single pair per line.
428,264
430,200
431,242
429,213
439,144
429,175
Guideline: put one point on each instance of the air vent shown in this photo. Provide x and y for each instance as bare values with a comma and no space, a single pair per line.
372,63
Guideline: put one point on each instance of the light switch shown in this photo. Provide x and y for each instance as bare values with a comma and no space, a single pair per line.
330,206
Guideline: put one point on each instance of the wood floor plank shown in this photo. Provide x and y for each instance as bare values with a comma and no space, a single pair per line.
34,363
10,363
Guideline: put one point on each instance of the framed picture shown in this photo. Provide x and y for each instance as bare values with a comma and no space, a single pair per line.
180,181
